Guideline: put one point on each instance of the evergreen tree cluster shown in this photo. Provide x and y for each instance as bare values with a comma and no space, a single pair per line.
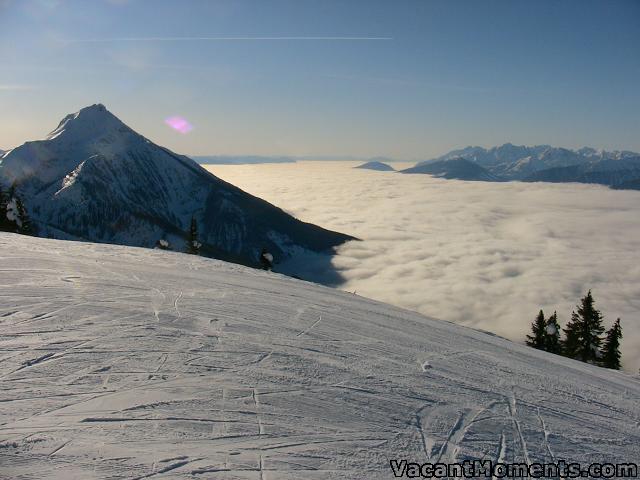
583,336
13,215
545,333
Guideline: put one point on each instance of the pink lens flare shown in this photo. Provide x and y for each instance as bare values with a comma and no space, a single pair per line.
179,124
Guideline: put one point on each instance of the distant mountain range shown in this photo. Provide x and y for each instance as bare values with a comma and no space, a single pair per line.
239,159
258,159
540,163
94,178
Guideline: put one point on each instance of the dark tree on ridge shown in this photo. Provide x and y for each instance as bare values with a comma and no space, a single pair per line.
538,332
610,354
583,332
193,244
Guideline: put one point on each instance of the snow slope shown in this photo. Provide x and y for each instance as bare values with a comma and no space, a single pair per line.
94,178
121,362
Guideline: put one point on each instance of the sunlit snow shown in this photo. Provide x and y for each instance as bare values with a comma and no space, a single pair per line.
122,362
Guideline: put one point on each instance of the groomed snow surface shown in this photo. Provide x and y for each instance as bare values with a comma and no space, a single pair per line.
119,362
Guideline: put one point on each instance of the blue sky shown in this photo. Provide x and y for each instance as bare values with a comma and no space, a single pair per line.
412,79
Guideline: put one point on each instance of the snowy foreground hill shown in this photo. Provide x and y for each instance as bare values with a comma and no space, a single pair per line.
122,362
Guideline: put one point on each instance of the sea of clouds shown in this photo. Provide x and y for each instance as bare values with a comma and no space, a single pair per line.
487,255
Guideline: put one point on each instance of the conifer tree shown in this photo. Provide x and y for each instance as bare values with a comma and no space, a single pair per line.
552,335
610,354
5,225
538,332
193,244
571,339
10,216
24,225
583,332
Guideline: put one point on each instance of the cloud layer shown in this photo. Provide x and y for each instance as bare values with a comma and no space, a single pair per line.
487,255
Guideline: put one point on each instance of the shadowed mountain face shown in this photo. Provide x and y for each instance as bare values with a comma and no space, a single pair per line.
630,185
619,174
94,178
375,165
458,168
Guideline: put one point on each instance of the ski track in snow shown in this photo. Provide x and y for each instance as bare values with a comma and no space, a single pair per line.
500,457
546,435
175,304
310,327
309,382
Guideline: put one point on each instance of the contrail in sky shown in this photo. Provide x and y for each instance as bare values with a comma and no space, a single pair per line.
16,87
224,39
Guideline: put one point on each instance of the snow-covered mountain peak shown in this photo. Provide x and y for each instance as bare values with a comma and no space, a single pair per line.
94,178
90,123
90,132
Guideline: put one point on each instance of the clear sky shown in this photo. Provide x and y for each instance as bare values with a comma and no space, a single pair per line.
401,78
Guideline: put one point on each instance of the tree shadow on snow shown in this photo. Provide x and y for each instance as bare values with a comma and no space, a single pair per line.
313,267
